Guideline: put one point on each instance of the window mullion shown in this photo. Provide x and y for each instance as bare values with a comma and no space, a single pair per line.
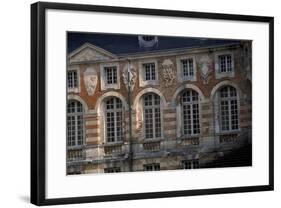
229,109
76,125
229,114
182,118
153,117
115,126
220,114
191,118
72,79
115,120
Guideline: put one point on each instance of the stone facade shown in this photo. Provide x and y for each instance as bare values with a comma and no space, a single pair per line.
172,148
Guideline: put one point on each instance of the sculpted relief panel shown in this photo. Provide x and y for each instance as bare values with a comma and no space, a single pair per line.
205,67
168,70
90,80
129,75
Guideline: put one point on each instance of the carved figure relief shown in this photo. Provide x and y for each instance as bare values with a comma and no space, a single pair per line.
168,72
90,80
129,76
205,64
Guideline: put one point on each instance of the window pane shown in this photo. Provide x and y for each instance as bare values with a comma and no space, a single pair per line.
225,63
157,122
228,108
111,75
149,71
113,120
148,123
72,79
152,116
187,67
75,123
228,63
190,112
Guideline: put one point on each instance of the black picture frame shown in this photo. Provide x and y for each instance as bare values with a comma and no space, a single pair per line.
38,102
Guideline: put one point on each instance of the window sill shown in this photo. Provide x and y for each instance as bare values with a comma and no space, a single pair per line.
229,132
189,140
183,137
75,147
73,90
151,140
145,83
220,75
188,79
111,144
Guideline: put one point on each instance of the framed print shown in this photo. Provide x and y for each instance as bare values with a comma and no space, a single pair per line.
131,103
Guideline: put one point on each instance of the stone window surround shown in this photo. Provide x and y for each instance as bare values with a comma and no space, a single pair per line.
191,104
83,125
219,74
142,81
214,98
153,115
75,89
100,105
201,99
138,107
180,76
141,108
104,85
79,99
229,110
115,110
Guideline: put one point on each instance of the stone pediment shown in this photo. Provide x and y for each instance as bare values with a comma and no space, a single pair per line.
89,52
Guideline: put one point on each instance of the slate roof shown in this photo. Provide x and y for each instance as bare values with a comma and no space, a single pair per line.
128,44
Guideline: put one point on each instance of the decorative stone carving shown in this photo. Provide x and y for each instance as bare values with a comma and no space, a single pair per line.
88,54
205,64
129,79
90,80
139,117
168,72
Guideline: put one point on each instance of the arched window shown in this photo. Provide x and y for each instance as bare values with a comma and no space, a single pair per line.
113,120
190,112
228,108
75,123
152,116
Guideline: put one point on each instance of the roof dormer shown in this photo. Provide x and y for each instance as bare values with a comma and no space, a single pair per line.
148,41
